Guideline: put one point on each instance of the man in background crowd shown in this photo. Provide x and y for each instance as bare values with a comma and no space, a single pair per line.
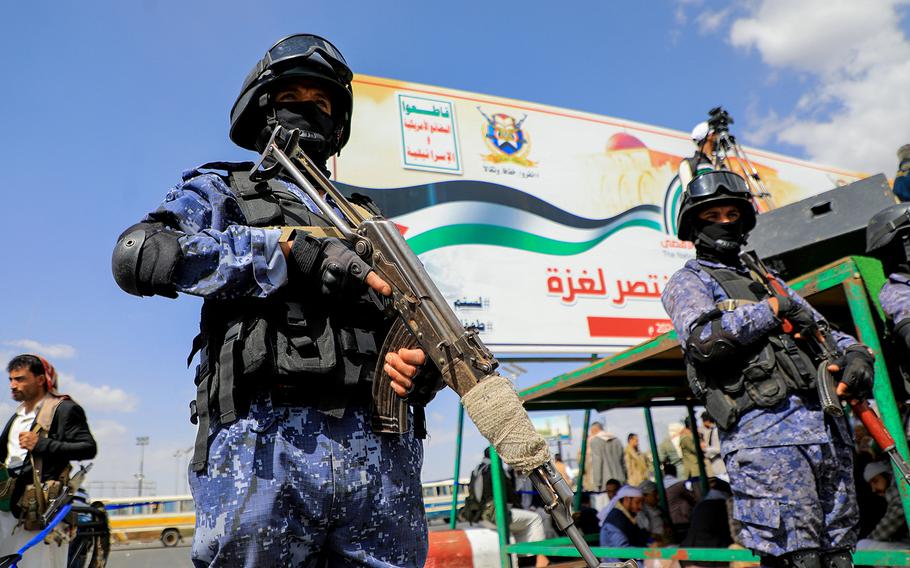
669,451
709,524
606,454
680,502
652,518
891,530
619,528
711,439
635,461
47,432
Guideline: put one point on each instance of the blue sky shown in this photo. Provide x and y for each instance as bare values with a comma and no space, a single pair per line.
104,103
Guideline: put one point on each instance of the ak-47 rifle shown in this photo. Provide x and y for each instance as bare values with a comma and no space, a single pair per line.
425,319
828,392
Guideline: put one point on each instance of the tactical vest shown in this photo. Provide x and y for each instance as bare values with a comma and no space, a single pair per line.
296,339
766,373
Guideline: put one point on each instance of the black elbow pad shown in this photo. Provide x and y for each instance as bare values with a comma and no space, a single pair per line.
144,260
716,347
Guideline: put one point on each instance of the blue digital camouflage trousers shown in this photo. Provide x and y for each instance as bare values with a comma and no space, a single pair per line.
291,486
791,498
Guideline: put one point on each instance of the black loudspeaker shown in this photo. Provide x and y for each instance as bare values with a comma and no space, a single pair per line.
811,233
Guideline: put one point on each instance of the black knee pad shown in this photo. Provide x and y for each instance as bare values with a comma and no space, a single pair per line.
799,559
842,558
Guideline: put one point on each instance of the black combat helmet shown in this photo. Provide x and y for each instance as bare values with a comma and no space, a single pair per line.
885,227
717,187
299,55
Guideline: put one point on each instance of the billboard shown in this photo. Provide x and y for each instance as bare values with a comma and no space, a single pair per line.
548,230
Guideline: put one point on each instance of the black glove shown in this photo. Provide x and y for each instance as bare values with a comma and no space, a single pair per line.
341,269
857,371
332,261
803,320
902,332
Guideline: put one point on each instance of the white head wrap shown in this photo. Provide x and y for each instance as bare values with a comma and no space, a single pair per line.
624,491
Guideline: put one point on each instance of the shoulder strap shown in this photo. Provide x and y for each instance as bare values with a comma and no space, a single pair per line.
46,412
737,286
364,205
253,199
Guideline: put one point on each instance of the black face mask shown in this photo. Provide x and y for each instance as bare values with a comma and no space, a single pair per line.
896,256
316,128
720,242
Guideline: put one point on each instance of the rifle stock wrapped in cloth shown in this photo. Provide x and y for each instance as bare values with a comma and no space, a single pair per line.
494,407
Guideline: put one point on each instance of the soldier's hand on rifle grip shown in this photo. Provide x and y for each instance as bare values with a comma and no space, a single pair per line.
802,320
403,366
340,268
858,372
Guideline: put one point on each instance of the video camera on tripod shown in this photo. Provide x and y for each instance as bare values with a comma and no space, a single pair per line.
719,120
725,146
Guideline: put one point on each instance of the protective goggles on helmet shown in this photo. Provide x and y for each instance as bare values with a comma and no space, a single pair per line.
712,183
297,47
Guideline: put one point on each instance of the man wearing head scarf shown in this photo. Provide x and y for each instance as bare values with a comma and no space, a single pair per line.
46,433
618,528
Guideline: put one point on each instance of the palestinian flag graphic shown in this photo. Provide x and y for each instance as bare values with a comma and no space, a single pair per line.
465,212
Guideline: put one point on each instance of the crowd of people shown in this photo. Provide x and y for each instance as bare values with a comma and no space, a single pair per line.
621,501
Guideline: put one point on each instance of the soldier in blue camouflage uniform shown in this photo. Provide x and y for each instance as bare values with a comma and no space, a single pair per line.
287,471
888,239
790,465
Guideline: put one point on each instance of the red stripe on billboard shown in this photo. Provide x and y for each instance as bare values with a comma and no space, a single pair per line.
627,327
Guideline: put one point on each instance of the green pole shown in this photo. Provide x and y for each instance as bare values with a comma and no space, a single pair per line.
858,302
499,499
579,487
655,460
702,474
453,520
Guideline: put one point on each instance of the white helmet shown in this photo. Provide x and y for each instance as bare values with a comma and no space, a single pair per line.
700,133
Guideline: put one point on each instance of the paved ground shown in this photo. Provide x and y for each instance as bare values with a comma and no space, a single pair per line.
150,556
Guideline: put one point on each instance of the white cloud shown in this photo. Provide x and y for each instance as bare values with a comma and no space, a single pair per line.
711,20
107,431
102,398
53,351
855,111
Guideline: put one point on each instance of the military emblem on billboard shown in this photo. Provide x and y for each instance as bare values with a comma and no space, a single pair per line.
506,139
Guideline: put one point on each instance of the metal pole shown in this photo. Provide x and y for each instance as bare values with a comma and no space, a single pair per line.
655,460
579,485
177,455
499,499
702,474
142,442
858,302
453,520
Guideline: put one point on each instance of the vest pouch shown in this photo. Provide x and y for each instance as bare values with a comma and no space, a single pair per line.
760,366
359,354
722,408
304,344
254,348
32,516
796,367
763,385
